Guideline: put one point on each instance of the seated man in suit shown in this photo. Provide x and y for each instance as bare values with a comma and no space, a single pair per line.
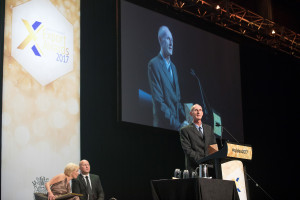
87,184
168,111
195,139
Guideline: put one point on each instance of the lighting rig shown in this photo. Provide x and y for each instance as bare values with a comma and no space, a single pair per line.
235,18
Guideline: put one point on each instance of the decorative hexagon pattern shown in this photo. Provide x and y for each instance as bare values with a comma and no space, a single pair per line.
42,40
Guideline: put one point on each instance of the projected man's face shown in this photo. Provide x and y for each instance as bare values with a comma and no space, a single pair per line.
197,112
166,43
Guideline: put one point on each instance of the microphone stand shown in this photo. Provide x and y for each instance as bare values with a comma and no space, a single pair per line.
205,108
256,184
221,143
217,124
250,178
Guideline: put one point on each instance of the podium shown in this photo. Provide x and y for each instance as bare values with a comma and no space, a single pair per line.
229,151
227,164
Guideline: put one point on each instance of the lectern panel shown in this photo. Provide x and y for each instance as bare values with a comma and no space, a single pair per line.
239,151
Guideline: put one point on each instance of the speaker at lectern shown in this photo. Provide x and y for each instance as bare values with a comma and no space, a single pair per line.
228,164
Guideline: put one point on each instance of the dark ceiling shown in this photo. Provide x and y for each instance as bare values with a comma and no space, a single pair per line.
284,13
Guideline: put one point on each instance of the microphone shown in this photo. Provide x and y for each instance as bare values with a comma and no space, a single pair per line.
204,106
218,124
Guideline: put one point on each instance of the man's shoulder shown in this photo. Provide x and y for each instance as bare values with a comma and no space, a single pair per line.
94,175
187,127
206,126
76,180
155,61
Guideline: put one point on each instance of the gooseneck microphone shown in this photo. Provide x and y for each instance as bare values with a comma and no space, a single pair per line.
204,106
250,178
218,124
221,143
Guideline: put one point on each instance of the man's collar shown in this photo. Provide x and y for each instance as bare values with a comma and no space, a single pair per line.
198,126
168,63
85,175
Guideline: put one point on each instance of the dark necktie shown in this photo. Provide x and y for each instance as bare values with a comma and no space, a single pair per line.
201,131
88,186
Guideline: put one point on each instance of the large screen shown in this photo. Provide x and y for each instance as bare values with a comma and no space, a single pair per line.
201,68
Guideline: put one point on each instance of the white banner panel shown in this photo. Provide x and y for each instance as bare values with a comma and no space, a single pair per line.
234,171
41,94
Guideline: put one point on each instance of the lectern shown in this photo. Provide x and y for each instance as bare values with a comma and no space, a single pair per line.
229,151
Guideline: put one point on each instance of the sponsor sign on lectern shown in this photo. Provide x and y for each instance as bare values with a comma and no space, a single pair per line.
227,164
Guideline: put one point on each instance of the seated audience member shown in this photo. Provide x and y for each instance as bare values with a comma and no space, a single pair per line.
59,184
87,184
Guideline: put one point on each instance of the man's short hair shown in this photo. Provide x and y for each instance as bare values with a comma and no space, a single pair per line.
71,167
192,108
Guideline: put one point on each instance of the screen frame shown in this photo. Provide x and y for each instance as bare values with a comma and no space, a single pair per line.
175,14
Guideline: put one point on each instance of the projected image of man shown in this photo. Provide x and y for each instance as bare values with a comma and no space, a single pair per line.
195,138
168,111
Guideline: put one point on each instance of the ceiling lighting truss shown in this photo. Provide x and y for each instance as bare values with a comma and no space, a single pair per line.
242,21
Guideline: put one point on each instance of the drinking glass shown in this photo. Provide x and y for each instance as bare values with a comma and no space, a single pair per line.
186,174
177,173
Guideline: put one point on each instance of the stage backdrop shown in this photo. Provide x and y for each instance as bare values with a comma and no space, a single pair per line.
41,94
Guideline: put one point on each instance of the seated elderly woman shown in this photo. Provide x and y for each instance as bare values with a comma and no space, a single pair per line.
60,184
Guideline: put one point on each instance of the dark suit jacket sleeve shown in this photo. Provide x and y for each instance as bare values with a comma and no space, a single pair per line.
99,189
158,96
185,140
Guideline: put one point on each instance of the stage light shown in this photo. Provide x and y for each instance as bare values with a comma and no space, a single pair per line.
273,32
238,17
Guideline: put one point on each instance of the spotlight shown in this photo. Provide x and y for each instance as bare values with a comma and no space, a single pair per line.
218,7
273,32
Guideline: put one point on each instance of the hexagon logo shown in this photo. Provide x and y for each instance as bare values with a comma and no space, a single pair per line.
42,40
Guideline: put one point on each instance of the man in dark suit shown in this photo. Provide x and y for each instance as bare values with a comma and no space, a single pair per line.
168,111
87,184
195,139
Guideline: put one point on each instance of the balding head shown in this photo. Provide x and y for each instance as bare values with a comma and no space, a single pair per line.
162,32
165,40
84,166
196,113
193,107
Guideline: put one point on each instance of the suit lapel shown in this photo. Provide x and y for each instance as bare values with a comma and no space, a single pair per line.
196,132
164,69
81,179
175,78
204,130
206,136
92,181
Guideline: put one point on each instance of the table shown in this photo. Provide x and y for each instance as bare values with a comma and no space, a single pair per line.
194,189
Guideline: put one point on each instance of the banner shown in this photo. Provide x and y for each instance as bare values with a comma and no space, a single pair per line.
234,171
41,94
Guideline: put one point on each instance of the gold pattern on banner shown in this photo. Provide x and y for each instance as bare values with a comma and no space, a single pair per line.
39,119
